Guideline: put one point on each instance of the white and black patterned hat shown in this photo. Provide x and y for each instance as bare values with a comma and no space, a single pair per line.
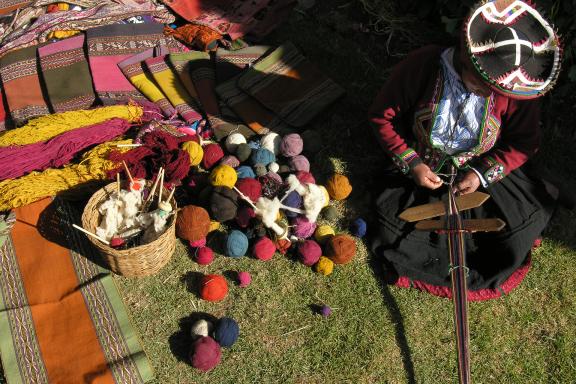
513,48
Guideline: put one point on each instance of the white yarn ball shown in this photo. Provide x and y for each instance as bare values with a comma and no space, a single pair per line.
233,141
271,141
201,328
273,167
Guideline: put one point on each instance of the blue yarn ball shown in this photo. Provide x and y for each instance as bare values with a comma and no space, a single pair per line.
245,171
358,228
293,200
254,145
226,332
236,244
262,156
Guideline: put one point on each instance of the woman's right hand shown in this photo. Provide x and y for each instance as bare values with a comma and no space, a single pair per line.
424,177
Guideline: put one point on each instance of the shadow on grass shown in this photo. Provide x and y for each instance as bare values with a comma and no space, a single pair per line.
192,281
181,341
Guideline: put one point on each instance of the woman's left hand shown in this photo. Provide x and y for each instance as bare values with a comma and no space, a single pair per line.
468,184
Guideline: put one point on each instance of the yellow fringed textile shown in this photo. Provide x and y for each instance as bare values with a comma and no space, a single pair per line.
46,127
37,185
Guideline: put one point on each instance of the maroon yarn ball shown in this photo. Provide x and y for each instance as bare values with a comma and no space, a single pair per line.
212,155
309,252
263,249
205,353
250,187
244,215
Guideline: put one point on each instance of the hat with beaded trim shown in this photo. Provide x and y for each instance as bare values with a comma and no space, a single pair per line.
513,48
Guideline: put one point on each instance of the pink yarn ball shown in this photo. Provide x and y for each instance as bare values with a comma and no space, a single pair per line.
244,279
198,243
204,256
302,227
291,145
244,215
263,249
305,177
205,353
309,252
299,163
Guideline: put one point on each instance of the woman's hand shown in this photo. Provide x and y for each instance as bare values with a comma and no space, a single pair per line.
424,177
468,184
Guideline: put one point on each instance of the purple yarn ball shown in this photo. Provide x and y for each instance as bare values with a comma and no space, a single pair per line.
293,200
299,163
325,311
230,160
291,145
302,227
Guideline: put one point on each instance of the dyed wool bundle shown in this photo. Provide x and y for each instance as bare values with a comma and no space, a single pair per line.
231,161
236,244
292,145
233,141
299,163
250,187
223,204
244,279
243,152
204,256
271,141
49,126
205,354
201,328
341,249
194,151
263,249
338,187
19,160
324,266
244,216
192,223
262,156
36,185
302,228
223,176
213,153
226,332
213,288
197,243
245,171
358,227
309,252
323,233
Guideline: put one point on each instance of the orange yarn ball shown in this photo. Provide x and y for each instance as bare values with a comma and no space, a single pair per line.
213,288
338,187
341,249
192,223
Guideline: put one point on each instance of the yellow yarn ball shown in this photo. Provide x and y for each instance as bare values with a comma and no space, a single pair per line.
324,266
194,150
214,225
223,176
323,233
326,196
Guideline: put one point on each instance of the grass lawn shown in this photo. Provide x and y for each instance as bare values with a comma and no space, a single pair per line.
377,333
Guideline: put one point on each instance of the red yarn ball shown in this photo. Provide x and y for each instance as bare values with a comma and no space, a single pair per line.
213,288
205,353
309,252
212,155
250,187
198,243
204,256
264,249
305,177
244,215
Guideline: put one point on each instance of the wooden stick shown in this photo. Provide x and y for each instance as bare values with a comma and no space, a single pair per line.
171,194
161,187
246,198
128,171
128,145
118,182
153,189
91,234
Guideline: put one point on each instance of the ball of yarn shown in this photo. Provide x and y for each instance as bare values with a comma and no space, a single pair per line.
291,145
305,177
330,213
326,195
204,256
312,141
283,245
213,288
236,244
299,163
274,167
230,160
323,233
338,187
244,279
198,243
358,227
254,144
117,242
325,311
192,223
324,266
223,204
260,169
205,354
309,252
303,228
293,200
226,332
262,156
243,152
274,176
271,141
201,328
223,176
245,171
341,248
263,249
244,215
212,155
250,187
233,141
194,151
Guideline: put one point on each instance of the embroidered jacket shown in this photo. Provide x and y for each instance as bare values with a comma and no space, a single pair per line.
404,111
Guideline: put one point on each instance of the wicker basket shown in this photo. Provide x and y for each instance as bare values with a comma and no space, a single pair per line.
142,260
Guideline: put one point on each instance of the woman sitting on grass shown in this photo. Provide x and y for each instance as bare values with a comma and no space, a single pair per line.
473,106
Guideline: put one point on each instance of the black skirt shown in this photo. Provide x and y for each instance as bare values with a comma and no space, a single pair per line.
521,201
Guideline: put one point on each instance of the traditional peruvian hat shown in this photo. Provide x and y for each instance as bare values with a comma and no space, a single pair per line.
513,48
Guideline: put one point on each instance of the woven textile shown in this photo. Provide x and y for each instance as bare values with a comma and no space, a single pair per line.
61,317
18,70
66,75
